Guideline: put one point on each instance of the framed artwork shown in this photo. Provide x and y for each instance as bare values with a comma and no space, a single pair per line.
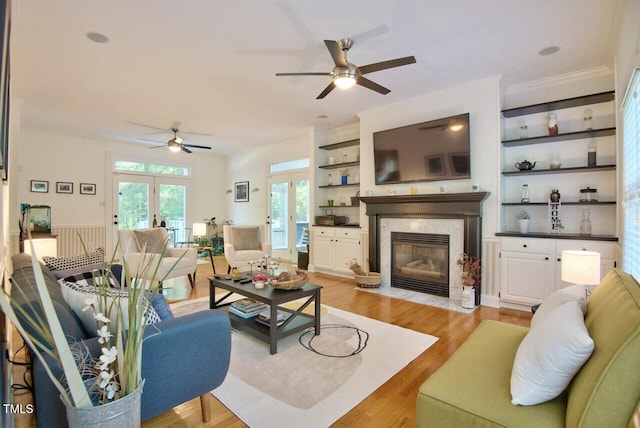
242,191
39,186
87,189
64,187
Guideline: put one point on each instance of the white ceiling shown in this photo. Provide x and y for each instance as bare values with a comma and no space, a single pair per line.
210,64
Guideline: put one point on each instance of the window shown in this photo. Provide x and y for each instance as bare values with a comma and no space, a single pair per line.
289,165
631,177
150,168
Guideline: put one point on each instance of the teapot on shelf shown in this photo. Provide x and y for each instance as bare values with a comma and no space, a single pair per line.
525,165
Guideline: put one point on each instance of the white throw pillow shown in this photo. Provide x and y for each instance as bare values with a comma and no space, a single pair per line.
75,295
550,355
566,294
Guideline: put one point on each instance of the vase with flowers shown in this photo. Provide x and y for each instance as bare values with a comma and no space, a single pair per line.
470,279
104,391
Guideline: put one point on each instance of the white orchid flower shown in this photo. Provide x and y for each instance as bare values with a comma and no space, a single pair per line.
106,377
90,303
104,334
112,388
108,356
100,317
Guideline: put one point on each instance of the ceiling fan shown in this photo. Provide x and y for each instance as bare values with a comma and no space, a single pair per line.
176,143
345,74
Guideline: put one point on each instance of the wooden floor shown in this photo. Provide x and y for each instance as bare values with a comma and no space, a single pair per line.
391,405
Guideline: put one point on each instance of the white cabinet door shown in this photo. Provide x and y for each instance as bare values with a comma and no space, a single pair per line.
526,278
347,250
323,252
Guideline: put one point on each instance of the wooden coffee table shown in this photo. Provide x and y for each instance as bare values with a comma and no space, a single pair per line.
296,322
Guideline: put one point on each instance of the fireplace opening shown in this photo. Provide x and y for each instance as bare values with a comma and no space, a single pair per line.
420,262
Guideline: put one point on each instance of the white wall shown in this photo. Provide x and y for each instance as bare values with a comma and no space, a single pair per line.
253,166
481,100
55,157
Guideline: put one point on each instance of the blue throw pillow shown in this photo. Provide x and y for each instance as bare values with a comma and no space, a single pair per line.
159,303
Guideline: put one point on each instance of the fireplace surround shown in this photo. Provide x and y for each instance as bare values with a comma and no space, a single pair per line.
462,206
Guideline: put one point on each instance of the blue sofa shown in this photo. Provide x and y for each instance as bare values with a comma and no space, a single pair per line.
182,358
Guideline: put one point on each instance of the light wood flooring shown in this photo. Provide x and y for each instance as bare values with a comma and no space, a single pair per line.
391,405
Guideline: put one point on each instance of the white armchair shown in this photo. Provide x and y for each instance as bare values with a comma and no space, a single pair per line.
132,241
244,243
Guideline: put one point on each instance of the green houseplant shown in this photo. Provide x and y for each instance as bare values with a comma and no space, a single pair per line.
217,240
91,387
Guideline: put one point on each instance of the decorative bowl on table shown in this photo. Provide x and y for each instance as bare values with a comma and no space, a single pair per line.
291,280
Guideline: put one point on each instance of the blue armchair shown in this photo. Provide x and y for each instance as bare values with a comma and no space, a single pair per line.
182,358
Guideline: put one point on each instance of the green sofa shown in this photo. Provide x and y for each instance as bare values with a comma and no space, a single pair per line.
473,387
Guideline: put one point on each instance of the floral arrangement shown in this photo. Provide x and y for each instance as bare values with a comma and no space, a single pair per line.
523,215
117,372
260,277
470,269
355,267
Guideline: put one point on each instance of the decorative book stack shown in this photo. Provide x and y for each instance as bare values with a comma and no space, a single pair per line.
247,308
264,317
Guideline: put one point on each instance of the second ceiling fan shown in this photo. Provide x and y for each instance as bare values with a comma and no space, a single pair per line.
346,74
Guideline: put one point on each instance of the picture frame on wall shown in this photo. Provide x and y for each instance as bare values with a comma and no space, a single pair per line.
87,189
39,186
242,191
64,187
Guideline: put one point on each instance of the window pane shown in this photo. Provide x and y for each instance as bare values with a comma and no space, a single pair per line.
151,168
631,178
289,165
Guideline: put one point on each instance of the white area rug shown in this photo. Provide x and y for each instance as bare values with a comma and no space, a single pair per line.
298,387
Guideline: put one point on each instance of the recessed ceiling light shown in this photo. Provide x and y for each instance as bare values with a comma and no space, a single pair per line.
550,50
97,37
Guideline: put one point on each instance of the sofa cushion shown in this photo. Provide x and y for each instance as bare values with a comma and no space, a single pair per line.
161,307
550,355
62,267
246,238
457,394
151,240
76,295
606,391
577,293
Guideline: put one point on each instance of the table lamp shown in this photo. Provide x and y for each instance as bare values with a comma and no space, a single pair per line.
581,267
42,247
199,230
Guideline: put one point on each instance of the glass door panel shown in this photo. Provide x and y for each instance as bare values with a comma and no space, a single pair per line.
280,219
134,202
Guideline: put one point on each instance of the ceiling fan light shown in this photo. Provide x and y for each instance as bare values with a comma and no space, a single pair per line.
345,77
174,145
344,82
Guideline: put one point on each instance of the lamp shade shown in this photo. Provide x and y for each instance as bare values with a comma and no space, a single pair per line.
199,229
581,267
42,247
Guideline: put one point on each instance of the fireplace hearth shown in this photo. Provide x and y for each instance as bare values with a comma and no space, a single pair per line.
420,262
404,212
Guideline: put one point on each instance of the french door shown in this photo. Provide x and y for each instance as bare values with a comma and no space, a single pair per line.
289,213
138,198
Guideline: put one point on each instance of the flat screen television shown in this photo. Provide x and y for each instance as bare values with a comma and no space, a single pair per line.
428,151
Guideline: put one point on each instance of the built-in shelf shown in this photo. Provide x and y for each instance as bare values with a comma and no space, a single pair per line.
340,145
602,97
339,206
562,170
331,186
575,236
524,204
604,132
340,165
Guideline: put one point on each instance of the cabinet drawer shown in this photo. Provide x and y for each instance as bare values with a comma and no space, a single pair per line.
324,231
528,245
347,233
607,250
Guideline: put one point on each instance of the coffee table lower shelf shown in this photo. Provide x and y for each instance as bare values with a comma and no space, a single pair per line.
296,321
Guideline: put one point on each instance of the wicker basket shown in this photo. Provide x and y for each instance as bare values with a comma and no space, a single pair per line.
293,284
369,281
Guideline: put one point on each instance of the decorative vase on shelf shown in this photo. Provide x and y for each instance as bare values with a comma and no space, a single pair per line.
523,225
468,297
552,124
555,162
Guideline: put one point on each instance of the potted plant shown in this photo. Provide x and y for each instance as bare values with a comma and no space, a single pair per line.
470,278
523,221
217,239
93,389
